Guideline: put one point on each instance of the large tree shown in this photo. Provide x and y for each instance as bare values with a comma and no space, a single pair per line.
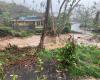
85,15
41,44
65,12
65,8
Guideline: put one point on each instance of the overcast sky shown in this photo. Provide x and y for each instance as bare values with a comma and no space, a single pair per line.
29,3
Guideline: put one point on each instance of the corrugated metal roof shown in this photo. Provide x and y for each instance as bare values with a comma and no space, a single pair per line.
29,18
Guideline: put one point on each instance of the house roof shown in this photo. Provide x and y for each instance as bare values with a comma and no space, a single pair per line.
29,18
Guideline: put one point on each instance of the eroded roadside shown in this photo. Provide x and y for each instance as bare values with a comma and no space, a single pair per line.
33,41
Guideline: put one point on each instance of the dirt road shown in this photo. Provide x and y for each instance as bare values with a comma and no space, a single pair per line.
20,42
34,41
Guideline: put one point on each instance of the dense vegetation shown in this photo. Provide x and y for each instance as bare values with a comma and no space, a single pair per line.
78,61
9,31
13,10
85,60
72,60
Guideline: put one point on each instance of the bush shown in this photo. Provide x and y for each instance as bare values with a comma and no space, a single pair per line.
21,33
4,33
65,56
80,60
87,59
38,30
2,74
8,31
66,30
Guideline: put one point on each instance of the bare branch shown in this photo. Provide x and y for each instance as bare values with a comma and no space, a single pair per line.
73,6
61,7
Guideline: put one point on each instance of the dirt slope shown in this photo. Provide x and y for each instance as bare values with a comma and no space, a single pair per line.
50,42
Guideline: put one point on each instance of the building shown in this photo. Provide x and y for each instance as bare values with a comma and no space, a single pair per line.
27,23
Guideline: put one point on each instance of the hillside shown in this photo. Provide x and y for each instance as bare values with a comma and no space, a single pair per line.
14,10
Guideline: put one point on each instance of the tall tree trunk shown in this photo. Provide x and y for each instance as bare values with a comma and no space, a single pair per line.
41,44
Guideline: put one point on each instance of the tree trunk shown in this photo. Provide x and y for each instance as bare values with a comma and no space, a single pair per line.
41,44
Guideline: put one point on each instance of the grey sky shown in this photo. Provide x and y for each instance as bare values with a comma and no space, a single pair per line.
29,3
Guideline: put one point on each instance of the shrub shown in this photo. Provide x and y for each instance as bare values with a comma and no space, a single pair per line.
2,74
66,55
80,60
87,58
21,33
65,30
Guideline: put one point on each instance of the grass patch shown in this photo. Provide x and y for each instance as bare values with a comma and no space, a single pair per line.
21,33
13,53
8,31
86,60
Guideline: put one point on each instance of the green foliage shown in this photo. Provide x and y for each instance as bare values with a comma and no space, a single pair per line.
85,17
88,62
5,16
46,54
2,74
14,10
38,30
9,11
63,24
8,31
21,33
67,28
13,53
80,60
65,56
15,77
5,32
